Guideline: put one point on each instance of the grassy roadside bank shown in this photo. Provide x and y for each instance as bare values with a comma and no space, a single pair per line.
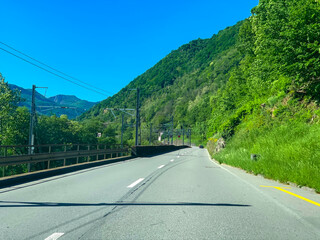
288,152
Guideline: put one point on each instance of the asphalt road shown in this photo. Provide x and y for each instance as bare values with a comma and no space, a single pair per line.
179,195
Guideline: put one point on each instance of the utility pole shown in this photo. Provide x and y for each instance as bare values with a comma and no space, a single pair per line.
32,120
140,133
124,111
137,118
122,129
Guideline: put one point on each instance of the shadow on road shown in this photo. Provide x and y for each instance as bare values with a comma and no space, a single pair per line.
8,204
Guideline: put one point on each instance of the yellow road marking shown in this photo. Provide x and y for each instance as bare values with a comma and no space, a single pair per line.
293,194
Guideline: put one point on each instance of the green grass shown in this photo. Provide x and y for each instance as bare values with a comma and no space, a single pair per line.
289,152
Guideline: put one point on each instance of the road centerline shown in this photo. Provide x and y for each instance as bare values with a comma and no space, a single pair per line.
135,183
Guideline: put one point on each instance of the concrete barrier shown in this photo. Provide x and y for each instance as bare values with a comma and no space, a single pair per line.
33,176
137,151
144,151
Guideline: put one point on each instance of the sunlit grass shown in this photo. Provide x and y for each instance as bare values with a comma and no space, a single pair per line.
289,152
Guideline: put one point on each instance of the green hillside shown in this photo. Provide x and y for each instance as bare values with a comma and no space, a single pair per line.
181,84
58,105
253,86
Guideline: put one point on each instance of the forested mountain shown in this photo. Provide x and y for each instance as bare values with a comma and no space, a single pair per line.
72,101
182,84
57,105
254,85
215,82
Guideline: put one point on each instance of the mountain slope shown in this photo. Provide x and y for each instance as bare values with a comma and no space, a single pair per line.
72,101
57,105
254,88
181,83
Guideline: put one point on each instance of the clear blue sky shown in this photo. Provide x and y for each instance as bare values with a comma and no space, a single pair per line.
106,43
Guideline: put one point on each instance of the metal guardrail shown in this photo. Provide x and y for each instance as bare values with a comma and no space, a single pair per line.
18,154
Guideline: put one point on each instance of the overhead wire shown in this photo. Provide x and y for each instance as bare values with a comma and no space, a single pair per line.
109,93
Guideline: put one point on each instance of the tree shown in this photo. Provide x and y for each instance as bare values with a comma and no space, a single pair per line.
8,105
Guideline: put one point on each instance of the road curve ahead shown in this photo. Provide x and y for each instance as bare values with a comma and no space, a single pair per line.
178,195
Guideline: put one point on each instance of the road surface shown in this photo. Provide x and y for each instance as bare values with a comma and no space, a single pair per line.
178,195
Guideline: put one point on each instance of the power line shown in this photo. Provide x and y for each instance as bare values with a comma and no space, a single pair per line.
55,74
50,67
53,68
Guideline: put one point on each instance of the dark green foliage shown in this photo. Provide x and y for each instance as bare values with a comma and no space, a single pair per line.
14,130
15,121
9,114
181,84
282,54
269,106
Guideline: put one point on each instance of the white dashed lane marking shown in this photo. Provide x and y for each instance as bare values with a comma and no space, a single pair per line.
135,183
54,236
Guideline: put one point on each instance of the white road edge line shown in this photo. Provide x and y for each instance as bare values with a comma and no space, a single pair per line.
284,207
171,160
54,236
135,183
161,166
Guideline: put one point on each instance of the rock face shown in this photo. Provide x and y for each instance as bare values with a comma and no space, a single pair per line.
220,144
215,145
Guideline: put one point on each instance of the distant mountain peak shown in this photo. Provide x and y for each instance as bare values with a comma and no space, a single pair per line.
78,105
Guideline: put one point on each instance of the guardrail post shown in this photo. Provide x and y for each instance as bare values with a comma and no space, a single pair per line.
64,160
97,153
3,168
78,149
48,166
88,150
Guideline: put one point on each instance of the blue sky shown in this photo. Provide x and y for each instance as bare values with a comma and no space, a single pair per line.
104,43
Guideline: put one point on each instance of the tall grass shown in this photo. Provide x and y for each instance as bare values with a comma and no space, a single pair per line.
288,152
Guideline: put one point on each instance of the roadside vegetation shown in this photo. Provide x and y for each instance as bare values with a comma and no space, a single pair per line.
15,121
270,105
283,151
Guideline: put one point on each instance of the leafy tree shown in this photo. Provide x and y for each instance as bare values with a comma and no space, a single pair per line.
8,105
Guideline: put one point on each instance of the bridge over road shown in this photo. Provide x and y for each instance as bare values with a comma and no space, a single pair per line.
177,195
